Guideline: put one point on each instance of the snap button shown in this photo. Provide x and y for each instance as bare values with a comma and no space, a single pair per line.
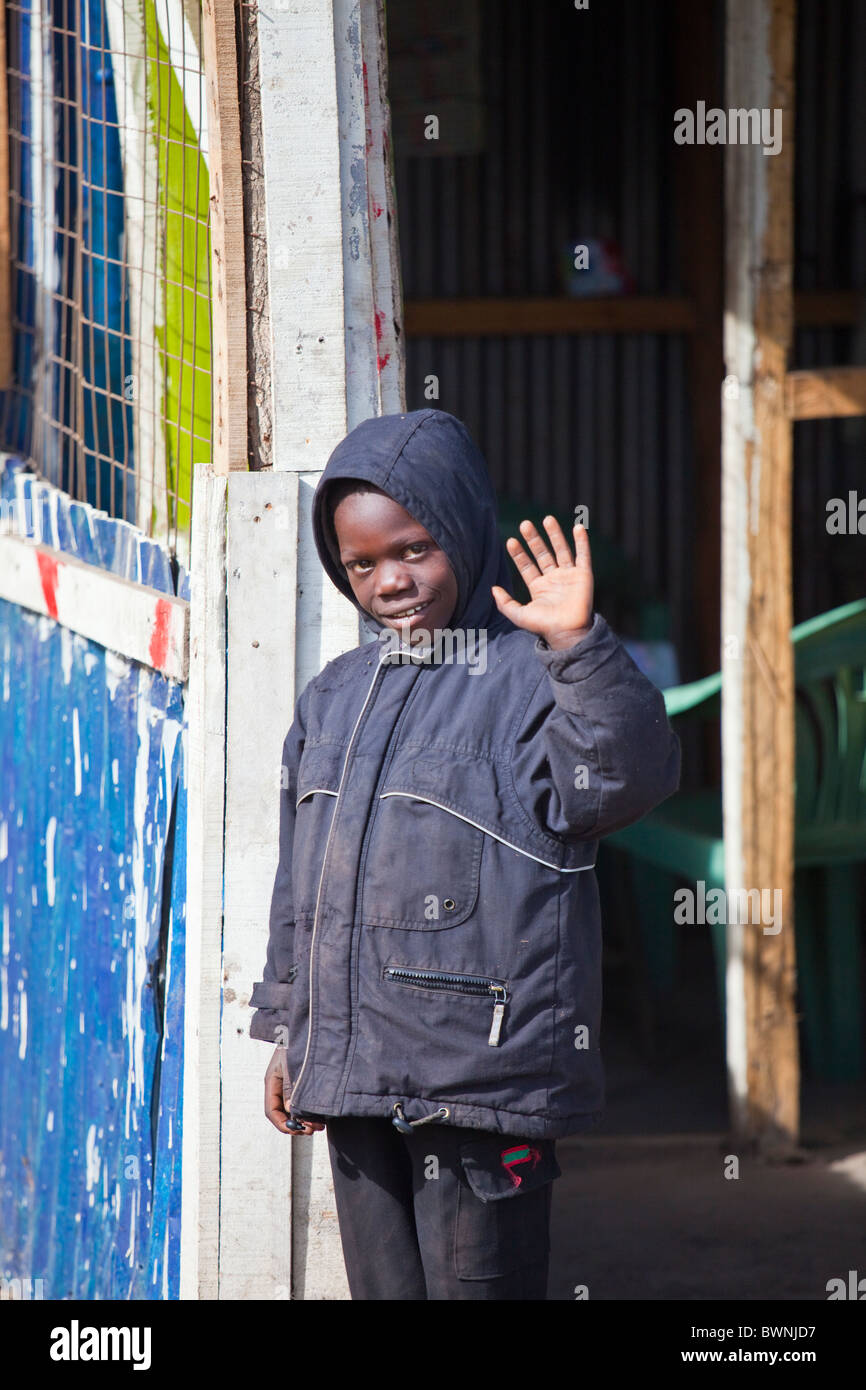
449,904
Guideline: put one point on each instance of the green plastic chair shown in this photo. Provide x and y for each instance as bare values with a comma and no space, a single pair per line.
682,839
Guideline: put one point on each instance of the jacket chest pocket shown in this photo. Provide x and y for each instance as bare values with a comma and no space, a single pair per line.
423,866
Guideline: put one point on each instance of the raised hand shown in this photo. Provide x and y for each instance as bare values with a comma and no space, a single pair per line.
560,585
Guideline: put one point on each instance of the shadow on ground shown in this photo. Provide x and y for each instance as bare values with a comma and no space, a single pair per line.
643,1209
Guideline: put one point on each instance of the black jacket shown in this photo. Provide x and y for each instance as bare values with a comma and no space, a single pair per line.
435,939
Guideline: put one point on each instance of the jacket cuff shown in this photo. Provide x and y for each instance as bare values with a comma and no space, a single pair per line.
271,994
570,666
264,1024
584,658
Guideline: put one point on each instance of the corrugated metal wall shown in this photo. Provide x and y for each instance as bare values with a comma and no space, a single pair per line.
829,455
579,145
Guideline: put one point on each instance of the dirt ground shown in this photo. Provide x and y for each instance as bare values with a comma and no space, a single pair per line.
643,1209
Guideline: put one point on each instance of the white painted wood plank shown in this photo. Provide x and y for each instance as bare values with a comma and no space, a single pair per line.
255,1223
362,399
325,287
142,624
300,135
200,1209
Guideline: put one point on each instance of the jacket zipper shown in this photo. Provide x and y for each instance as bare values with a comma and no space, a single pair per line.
456,984
378,672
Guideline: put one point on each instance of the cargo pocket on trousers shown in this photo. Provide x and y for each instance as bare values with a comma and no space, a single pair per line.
503,1205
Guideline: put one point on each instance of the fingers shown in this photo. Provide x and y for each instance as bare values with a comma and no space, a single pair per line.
278,1090
274,1105
542,560
582,552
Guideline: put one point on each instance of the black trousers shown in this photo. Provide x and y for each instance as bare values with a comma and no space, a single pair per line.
441,1213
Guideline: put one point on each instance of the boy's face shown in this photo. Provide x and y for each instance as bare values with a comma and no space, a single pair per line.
394,565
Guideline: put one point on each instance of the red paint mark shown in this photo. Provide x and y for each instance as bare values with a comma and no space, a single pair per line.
378,211
159,637
48,570
380,361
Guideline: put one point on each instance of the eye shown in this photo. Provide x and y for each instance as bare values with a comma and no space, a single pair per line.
362,565
418,546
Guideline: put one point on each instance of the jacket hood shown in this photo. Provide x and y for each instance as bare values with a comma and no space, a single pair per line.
427,462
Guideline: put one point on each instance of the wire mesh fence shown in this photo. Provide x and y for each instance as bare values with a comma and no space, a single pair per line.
110,392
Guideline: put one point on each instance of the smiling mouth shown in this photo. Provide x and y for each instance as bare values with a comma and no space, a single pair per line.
407,613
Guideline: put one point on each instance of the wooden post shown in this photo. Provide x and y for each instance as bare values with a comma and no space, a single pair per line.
200,1191
228,260
255,1249
259,1216
757,664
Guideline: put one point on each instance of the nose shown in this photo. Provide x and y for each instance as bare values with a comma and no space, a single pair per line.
394,577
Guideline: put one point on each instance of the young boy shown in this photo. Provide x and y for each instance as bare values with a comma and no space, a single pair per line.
433,975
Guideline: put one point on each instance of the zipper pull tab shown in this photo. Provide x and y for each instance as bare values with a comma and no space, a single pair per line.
498,1013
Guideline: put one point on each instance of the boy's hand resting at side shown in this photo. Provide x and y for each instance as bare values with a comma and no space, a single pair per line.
560,585
278,1090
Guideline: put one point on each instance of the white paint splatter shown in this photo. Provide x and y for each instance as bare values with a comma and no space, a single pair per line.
76,748
117,669
50,832
4,839
22,1023
49,1121
92,1162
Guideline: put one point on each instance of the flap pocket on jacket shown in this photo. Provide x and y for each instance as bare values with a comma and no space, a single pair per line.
495,1237
320,769
423,866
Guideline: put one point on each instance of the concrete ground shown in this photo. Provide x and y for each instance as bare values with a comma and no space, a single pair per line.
644,1210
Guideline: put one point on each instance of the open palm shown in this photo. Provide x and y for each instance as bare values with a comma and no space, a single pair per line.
560,584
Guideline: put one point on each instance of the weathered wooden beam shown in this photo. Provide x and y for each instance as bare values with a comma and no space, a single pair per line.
228,261
321,321
140,623
757,664
453,318
823,393
200,1168
336,357
261,585
490,316
828,308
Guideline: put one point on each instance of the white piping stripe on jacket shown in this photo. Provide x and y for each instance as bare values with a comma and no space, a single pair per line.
412,797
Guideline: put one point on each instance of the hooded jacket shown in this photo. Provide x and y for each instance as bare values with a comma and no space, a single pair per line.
435,937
